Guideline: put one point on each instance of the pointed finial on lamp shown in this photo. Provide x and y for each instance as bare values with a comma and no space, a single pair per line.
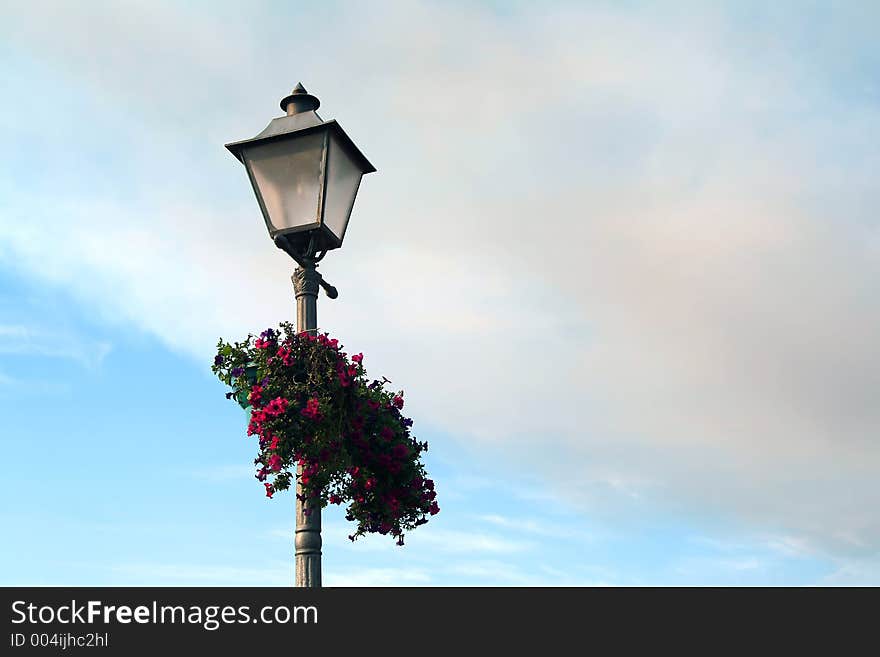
299,100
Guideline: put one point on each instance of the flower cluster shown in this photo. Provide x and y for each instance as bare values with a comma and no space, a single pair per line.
320,422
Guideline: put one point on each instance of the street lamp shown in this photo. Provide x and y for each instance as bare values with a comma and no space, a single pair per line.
305,173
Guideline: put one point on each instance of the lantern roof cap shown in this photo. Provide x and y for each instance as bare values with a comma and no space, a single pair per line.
299,100
301,119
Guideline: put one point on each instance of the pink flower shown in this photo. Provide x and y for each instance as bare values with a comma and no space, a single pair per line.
358,358
335,499
270,491
261,343
400,451
277,406
256,423
312,409
274,463
275,442
387,433
397,401
434,509
285,354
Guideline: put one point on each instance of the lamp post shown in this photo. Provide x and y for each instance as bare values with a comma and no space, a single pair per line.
305,173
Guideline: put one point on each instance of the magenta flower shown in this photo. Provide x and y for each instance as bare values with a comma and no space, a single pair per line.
312,409
286,356
276,407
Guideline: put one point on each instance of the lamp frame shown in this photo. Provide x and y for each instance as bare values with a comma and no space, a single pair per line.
322,238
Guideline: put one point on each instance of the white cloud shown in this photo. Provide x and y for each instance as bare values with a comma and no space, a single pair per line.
449,540
645,270
535,528
427,540
17,339
497,573
379,577
854,572
201,574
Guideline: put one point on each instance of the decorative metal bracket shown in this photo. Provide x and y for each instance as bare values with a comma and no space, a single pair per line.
308,262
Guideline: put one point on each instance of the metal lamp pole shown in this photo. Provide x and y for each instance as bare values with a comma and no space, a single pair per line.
305,173
308,526
306,281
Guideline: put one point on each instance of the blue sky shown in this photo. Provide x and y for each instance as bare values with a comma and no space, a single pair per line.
630,291
125,465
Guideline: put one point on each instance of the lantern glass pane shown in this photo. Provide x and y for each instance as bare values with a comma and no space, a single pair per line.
343,178
287,178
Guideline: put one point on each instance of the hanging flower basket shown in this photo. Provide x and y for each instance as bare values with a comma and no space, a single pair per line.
312,405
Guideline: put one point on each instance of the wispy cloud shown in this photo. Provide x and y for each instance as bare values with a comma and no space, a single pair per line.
471,542
853,572
15,386
704,568
379,577
528,526
202,574
18,339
